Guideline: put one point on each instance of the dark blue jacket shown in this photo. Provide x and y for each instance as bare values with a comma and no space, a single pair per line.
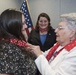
34,38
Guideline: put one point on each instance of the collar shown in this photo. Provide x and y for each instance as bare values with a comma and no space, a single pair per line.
71,45
16,41
68,47
43,30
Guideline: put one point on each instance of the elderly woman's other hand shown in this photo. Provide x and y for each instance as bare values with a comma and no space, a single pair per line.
34,49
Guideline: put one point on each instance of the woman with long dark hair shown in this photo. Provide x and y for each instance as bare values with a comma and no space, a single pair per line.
13,55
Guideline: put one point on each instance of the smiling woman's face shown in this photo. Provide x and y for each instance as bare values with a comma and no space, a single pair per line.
43,22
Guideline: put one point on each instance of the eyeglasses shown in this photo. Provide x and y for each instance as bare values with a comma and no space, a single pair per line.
60,28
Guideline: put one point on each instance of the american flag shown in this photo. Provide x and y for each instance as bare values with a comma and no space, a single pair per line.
25,10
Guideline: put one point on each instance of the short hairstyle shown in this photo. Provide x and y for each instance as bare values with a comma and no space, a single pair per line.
70,18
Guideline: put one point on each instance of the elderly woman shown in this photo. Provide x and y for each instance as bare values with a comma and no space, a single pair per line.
61,58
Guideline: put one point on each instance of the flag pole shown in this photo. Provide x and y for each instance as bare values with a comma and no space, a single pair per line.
28,8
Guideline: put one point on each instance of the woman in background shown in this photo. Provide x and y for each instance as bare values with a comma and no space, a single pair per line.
43,34
13,55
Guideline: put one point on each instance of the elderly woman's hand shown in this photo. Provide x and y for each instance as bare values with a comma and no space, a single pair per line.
34,49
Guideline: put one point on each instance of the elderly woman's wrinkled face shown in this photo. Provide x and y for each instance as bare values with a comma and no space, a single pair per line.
63,33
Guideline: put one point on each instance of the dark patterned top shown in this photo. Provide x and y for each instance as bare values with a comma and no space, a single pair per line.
13,59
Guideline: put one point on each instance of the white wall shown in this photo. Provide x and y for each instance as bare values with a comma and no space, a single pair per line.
51,7
5,4
54,8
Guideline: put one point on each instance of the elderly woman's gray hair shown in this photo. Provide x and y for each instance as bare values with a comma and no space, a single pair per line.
70,19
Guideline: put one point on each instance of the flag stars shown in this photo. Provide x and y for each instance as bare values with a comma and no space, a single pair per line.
27,15
29,24
28,20
22,8
24,5
25,11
